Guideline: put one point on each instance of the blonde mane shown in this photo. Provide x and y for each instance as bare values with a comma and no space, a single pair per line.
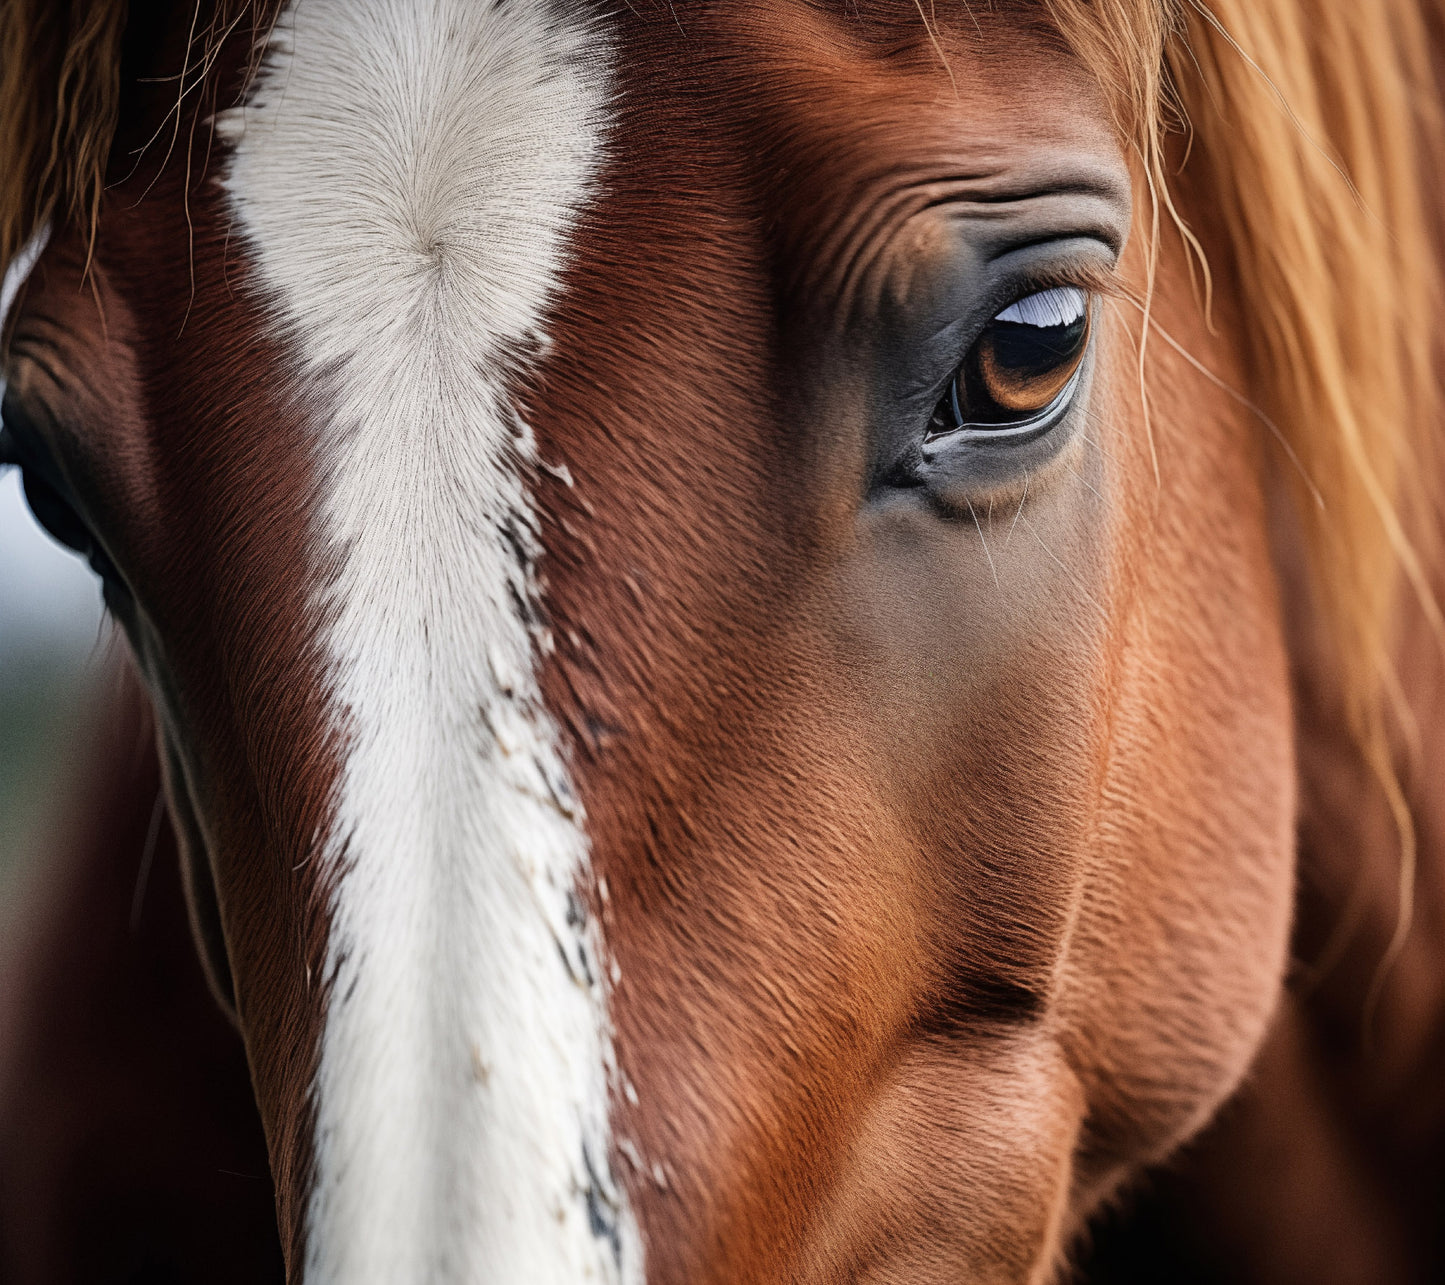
1311,128
1311,131
59,100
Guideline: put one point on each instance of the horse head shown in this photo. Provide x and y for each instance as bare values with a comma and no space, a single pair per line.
709,598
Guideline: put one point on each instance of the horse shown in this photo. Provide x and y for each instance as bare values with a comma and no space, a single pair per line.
785,641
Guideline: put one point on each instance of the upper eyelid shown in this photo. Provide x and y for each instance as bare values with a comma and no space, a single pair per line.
1080,269
1093,278
40,362
57,396
1108,287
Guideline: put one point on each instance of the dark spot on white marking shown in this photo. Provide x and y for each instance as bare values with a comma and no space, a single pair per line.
603,1207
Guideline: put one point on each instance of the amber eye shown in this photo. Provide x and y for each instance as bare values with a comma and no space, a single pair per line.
1022,363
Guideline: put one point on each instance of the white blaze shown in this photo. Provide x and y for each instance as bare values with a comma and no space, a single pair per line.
405,177
17,273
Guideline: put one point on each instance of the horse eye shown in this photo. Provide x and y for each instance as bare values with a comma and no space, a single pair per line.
51,509
56,516
1020,366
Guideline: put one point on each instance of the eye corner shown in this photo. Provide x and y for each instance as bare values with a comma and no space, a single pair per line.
12,433
47,495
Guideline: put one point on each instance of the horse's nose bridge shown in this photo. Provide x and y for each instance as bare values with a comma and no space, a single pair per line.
463,1080
464,1073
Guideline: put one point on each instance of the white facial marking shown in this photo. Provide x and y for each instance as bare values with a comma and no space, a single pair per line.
406,177
18,271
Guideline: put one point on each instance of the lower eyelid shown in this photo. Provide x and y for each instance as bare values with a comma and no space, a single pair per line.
937,447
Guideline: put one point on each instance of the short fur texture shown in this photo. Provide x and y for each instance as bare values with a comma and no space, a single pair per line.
461,1092
945,862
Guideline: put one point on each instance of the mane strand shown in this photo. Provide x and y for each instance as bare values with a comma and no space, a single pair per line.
60,89
1311,128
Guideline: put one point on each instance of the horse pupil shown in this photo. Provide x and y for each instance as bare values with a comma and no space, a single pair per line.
54,514
1034,352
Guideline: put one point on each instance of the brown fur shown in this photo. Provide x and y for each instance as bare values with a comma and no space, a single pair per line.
797,1146
246,828
949,864
1316,170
